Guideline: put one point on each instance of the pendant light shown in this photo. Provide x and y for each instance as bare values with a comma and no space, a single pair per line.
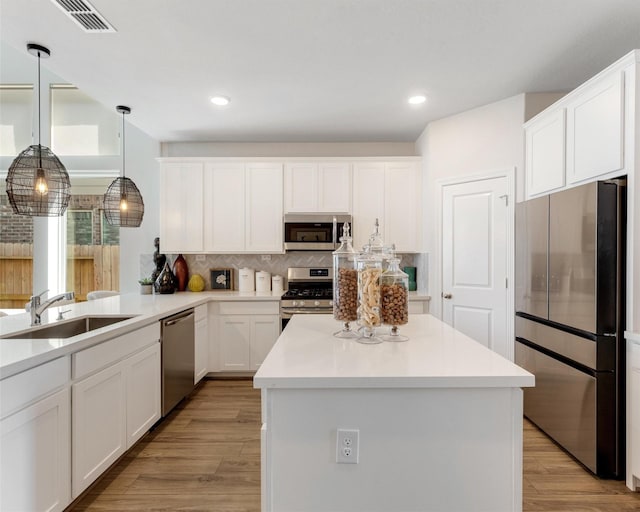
123,204
37,183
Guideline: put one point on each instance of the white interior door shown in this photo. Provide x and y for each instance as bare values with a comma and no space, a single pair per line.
475,260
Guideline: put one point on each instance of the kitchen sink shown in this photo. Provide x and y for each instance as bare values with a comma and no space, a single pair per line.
68,328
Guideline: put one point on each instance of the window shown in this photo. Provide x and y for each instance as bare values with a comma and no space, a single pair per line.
80,227
80,126
16,115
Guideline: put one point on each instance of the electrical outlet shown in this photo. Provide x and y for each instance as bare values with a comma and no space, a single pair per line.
200,257
347,446
266,257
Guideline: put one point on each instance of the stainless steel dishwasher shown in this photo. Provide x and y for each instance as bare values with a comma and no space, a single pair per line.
178,336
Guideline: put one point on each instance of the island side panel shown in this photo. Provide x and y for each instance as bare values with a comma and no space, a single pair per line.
420,449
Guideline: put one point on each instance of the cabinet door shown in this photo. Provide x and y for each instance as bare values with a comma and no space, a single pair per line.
99,425
368,200
263,225
201,349
633,355
235,342
595,130
224,210
334,187
301,187
545,153
264,333
143,392
35,460
181,199
402,209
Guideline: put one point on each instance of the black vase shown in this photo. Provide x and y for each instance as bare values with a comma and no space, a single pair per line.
166,282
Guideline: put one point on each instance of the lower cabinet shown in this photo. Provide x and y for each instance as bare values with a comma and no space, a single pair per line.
99,425
35,465
246,333
114,406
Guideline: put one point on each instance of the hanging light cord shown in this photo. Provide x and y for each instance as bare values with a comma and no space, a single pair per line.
39,121
123,174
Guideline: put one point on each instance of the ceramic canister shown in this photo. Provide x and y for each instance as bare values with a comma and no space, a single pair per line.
263,281
246,280
276,284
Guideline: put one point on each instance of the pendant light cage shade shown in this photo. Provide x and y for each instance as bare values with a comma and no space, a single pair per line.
38,184
129,214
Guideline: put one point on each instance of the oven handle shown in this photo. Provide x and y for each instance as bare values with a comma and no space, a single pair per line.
287,313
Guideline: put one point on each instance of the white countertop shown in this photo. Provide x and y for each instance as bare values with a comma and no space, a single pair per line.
307,355
17,355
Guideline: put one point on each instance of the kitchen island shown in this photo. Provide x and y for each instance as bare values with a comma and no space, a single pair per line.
439,421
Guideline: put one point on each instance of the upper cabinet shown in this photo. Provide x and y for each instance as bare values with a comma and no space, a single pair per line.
581,137
317,187
545,153
181,200
389,192
595,129
229,205
221,207
244,210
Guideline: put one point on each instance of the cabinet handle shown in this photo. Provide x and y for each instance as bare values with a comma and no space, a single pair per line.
446,295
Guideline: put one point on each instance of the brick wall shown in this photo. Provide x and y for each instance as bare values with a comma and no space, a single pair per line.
19,228
14,229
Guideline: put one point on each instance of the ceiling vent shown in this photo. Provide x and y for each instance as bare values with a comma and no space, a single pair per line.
84,15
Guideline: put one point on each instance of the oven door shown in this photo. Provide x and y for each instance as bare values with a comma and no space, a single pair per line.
287,313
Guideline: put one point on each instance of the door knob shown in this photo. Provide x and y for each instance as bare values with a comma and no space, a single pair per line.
446,295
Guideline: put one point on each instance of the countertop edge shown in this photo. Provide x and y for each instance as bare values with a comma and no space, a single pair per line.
440,382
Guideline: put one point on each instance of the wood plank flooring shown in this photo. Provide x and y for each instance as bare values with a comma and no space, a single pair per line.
206,457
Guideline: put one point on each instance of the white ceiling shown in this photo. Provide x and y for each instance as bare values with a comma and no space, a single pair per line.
321,70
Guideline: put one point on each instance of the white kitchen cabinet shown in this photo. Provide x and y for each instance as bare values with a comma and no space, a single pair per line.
116,398
181,207
389,192
244,210
595,129
246,333
263,199
545,153
316,187
633,402
235,342
265,330
99,425
224,211
35,437
143,392
201,348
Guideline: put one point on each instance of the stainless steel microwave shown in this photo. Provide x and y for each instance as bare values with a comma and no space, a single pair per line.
313,232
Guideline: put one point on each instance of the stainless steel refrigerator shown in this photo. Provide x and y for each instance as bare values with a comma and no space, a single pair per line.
570,289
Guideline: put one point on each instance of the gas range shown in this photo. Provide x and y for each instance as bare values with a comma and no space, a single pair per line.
310,291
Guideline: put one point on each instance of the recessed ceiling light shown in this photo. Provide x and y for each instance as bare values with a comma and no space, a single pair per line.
220,101
417,100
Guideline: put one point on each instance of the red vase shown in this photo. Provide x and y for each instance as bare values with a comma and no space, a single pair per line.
181,271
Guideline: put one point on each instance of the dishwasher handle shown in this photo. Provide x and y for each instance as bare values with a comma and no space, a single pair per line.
174,320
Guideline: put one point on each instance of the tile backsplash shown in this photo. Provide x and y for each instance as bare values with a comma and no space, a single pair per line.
276,264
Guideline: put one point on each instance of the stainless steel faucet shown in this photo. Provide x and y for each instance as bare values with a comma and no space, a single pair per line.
36,307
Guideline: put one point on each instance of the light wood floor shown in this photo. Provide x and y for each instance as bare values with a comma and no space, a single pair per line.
206,457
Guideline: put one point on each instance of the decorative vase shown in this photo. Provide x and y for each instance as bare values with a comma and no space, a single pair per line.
166,282
181,271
